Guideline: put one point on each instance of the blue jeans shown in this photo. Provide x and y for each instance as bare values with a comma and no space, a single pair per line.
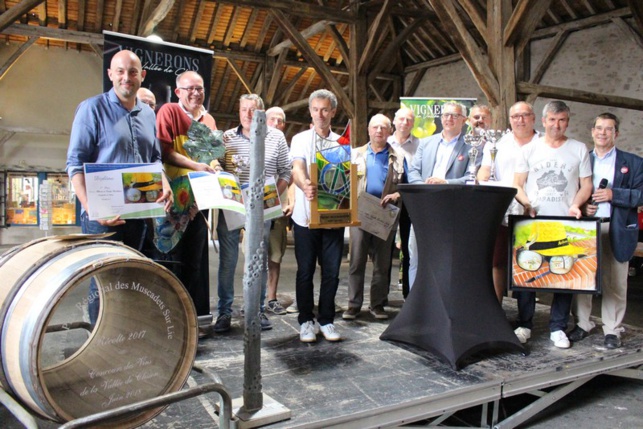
132,234
558,316
327,247
228,257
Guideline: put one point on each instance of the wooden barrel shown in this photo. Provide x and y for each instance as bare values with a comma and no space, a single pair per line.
142,345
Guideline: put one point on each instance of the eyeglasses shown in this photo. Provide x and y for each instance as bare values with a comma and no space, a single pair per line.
197,89
452,115
608,130
522,116
529,260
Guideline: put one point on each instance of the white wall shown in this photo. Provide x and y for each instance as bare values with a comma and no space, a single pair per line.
600,59
41,91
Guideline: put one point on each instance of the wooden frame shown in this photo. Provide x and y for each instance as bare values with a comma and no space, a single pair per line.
333,218
554,253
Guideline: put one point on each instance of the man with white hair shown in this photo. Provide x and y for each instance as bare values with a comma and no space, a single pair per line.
380,168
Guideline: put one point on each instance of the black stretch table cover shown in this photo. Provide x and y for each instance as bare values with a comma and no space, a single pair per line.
452,310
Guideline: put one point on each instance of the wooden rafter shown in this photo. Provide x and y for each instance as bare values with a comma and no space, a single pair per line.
554,47
582,23
311,56
81,15
523,21
636,6
13,13
275,79
216,19
579,96
476,14
285,94
295,8
340,42
232,25
392,47
251,23
150,22
117,15
241,75
377,27
42,14
100,9
54,33
196,21
313,30
16,56
470,51
628,31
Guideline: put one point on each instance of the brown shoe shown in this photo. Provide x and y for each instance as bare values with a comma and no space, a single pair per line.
351,313
378,312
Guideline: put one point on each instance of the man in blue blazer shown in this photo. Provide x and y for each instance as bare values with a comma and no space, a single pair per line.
444,158
440,159
616,203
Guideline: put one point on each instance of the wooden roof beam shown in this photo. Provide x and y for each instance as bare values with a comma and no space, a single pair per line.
549,56
16,56
13,13
295,8
313,30
377,27
636,6
523,21
150,22
54,33
628,31
240,74
581,23
311,56
393,46
477,63
476,15
580,96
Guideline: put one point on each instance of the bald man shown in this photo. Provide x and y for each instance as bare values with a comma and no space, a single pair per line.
114,127
147,97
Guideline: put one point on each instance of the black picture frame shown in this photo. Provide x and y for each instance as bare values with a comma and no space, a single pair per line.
554,254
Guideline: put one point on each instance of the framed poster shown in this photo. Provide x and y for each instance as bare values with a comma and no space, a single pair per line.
335,177
554,254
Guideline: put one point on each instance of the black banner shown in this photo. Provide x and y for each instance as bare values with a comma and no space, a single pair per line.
162,61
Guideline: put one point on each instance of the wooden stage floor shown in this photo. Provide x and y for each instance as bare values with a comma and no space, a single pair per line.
363,382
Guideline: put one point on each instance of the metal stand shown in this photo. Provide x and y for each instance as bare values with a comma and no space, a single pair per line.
226,421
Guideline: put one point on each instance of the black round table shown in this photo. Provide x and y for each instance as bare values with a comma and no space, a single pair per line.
452,310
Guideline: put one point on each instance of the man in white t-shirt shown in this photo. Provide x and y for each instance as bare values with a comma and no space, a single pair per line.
325,245
522,119
553,177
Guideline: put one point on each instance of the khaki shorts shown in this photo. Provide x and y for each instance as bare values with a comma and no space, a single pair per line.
278,239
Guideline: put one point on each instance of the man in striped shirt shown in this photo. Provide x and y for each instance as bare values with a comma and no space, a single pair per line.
237,161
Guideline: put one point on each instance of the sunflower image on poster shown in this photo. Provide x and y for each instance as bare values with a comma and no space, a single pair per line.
427,113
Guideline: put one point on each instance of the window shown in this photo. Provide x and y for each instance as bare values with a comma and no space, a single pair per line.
22,198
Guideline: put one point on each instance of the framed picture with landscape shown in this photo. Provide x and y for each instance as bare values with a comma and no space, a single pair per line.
554,254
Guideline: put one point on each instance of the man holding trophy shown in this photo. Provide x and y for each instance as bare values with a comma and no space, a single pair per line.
522,120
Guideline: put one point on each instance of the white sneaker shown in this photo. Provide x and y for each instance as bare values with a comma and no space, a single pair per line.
560,339
330,333
523,334
308,332
292,308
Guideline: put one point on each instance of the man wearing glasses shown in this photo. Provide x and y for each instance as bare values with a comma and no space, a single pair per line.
617,205
440,159
522,120
174,121
553,177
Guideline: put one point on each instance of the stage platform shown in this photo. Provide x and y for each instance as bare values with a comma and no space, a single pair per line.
363,382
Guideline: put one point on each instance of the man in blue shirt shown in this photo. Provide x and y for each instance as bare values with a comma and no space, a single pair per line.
115,127
380,168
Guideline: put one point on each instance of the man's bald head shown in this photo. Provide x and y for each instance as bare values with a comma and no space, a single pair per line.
147,97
